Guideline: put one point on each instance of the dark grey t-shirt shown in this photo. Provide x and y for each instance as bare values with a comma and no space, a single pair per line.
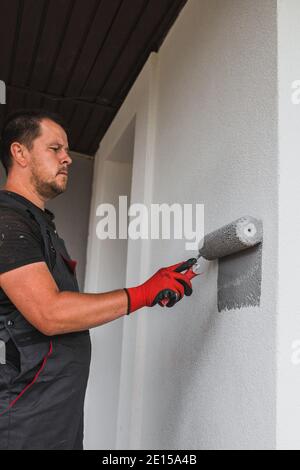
20,244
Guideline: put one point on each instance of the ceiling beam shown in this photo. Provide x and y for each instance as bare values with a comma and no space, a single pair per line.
73,99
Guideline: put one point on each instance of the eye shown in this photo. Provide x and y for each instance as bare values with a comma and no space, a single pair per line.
55,149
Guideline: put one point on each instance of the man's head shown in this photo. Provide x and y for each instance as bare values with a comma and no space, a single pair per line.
34,150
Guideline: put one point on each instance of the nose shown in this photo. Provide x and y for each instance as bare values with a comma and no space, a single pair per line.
66,158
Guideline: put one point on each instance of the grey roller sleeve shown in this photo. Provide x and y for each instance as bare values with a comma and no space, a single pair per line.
241,234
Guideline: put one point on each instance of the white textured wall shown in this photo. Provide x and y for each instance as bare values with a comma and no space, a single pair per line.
125,396
103,390
206,132
289,227
210,377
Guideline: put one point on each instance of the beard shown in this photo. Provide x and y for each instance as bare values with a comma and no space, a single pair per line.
47,189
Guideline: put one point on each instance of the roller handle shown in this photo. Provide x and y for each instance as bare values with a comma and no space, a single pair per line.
166,295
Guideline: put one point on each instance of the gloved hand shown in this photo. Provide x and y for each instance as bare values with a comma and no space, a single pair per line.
165,287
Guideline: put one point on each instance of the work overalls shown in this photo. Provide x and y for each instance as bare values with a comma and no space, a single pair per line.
41,401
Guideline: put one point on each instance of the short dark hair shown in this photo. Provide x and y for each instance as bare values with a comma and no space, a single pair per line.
23,126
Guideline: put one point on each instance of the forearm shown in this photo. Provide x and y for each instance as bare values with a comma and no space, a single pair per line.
73,311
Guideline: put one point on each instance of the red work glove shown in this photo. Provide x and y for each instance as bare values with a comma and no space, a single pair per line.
165,287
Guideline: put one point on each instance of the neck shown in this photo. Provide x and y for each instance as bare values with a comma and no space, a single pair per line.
27,192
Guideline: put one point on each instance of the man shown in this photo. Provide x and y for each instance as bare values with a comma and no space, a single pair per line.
44,320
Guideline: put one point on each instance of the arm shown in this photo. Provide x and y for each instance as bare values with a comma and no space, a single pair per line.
28,283
32,289
34,292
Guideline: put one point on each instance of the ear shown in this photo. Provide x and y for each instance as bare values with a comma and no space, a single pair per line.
18,154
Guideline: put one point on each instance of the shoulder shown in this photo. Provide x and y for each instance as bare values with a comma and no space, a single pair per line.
20,240
16,220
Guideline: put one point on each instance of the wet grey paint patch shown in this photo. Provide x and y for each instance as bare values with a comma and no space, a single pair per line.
2,353
239,279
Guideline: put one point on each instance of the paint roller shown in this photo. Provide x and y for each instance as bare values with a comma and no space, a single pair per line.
245,232
242,234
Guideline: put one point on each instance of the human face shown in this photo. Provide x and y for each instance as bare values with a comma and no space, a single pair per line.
49,160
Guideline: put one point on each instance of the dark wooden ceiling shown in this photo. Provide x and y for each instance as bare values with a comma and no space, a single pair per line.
78,57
